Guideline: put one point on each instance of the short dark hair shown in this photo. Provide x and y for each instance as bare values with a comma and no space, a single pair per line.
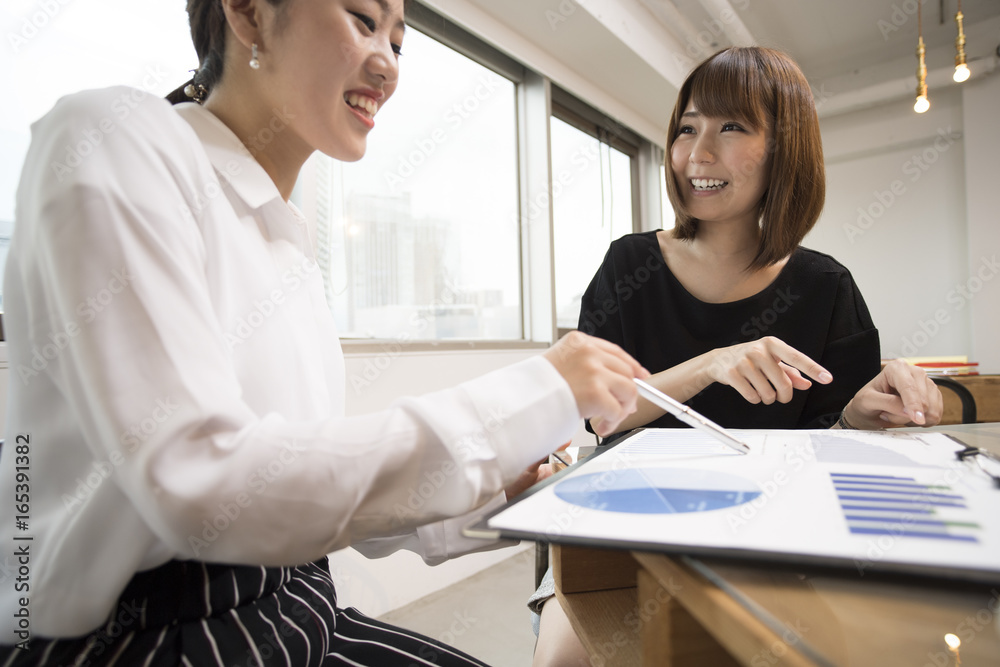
766,89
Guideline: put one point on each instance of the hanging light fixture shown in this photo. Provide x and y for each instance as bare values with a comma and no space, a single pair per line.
922,104
961,69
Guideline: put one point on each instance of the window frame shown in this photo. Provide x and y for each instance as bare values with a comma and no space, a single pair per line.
537,100
576,113
453,36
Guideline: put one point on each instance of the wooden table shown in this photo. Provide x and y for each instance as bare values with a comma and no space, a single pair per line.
634,608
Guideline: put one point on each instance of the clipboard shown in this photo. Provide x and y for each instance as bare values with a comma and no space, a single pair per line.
887,504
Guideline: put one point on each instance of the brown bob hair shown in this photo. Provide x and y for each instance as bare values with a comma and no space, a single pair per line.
765,89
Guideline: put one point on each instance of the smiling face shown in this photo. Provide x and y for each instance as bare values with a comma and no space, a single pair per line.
720,166
330,65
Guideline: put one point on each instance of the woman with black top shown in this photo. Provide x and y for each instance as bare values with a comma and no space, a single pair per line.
812,305
727,311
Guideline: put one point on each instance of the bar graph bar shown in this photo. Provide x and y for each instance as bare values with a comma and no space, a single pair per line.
901,506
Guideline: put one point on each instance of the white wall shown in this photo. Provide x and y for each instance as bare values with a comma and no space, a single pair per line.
911,210
981,109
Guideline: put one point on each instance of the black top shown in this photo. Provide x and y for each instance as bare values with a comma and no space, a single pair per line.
813,305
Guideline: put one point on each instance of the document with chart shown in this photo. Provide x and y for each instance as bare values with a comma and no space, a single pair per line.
868,501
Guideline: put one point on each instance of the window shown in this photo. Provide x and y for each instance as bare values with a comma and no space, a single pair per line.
592,202
423,238
419,240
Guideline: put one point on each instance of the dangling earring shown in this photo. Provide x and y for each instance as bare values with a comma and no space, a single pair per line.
254,63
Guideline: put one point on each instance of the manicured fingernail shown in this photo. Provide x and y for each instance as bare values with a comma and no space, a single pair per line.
825,377
918,416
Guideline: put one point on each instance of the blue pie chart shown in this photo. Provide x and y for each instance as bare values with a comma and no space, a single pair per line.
657,490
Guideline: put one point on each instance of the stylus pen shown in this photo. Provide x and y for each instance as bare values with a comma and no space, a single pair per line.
561,460
690,417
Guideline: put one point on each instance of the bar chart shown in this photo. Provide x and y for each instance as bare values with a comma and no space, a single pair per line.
901,506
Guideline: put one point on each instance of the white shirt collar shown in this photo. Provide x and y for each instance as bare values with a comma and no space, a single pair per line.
229,157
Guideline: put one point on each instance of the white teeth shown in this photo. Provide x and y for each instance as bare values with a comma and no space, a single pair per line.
708,183
362,102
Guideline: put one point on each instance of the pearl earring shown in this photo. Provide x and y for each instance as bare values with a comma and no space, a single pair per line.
196,92
254,63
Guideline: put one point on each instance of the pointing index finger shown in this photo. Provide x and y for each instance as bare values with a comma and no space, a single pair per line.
802,363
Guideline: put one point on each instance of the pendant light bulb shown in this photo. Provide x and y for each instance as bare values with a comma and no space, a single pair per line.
961,68
922,104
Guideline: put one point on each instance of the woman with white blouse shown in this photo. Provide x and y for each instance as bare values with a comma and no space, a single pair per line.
183,475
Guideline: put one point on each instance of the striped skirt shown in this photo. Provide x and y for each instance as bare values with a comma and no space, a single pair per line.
199,614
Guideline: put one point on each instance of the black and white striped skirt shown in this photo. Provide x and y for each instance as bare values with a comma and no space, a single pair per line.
199,614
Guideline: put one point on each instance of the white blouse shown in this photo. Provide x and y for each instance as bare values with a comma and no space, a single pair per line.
177,373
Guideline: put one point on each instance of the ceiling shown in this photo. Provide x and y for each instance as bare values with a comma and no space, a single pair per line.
855,53
831,37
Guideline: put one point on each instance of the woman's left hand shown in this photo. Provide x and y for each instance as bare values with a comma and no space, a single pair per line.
901,395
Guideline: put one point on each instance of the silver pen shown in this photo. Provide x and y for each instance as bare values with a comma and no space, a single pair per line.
690,417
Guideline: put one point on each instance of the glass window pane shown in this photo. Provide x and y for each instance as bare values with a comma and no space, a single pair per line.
420,237
592,204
